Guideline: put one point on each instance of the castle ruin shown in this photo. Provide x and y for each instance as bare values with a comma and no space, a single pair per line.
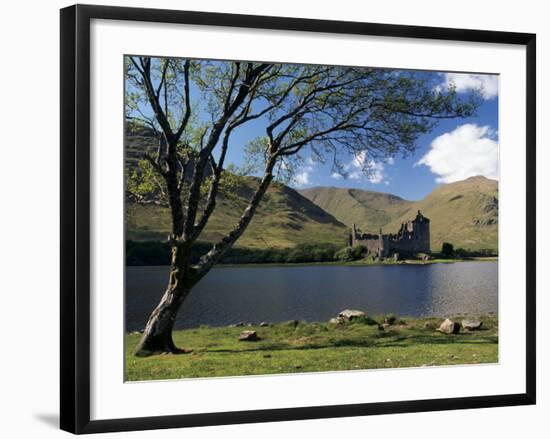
412,238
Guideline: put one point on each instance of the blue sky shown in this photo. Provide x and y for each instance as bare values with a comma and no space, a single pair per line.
454,150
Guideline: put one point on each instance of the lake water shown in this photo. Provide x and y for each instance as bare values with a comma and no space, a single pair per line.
317,293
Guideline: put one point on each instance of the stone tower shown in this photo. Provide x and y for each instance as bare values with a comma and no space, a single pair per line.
421,230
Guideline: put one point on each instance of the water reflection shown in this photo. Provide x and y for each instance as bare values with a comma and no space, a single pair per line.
317,293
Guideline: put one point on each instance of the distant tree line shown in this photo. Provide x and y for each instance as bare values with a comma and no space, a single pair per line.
449,252
158,253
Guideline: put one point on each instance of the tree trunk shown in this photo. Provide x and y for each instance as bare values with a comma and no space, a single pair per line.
157,336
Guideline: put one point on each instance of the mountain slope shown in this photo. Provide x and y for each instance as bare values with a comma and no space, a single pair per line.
464,213
368,209
284,218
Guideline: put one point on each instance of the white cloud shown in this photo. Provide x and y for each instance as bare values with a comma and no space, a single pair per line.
336,176
486,84
467,151
377,174
302,178
362,167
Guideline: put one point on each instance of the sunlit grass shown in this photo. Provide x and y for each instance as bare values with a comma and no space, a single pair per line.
314,347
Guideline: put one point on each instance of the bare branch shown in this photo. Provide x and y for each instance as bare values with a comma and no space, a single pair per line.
217,170
187,113
232,85
163,77
222,246
145,71
215,133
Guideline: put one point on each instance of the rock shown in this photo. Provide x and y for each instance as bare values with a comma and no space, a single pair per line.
472,325
351,314
449,327
249,336
429,325
390,320
264,324
335,320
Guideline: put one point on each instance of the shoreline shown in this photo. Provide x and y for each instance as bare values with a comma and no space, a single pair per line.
359,263
378,318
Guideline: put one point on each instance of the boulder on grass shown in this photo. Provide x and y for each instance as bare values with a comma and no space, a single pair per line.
264,324
350,314
449,327
472,325
249,336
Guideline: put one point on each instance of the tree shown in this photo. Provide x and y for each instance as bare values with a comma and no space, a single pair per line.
358,251
194,108
447,250
344,254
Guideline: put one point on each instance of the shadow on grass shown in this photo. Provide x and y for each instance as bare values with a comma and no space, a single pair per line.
392,340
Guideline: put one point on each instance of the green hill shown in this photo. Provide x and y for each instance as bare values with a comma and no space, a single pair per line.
284,218
368,209
464,213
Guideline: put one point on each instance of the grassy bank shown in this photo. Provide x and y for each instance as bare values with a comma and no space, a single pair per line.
313,347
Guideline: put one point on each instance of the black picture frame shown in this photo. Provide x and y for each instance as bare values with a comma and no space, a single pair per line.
75,217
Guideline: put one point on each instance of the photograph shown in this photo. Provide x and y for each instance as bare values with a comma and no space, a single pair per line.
264,220
296,218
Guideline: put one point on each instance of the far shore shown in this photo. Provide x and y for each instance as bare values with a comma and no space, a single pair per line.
362,263
358,263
